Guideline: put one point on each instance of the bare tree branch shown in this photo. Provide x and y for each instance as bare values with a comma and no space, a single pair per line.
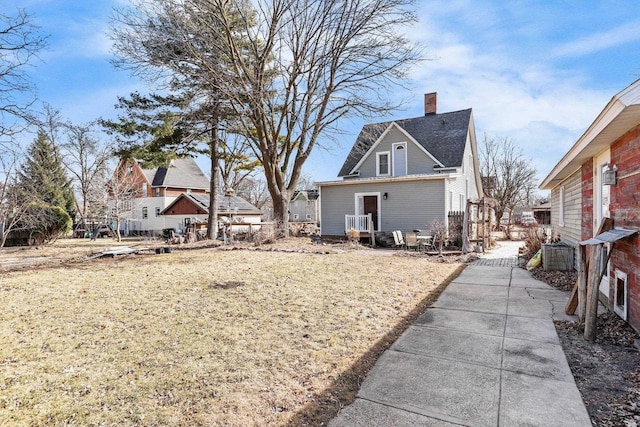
289,68
508,176
20,42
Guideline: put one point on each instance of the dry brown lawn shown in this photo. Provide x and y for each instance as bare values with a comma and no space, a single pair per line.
201,337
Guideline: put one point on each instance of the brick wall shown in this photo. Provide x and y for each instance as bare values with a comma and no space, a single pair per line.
625,211
185,207
587,200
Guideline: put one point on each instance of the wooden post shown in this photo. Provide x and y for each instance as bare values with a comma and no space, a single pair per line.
591,308
582,283
585,271
592,291
572,303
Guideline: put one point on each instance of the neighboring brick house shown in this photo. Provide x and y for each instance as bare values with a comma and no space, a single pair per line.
154,189
192,211
582,193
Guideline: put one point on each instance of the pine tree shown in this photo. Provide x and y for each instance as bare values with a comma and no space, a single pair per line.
42,177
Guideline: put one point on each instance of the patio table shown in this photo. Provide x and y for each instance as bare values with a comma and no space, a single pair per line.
424,241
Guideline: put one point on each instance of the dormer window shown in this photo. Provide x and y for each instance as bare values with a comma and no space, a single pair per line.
382,163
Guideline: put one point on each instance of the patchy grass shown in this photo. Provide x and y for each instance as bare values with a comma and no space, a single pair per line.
204,337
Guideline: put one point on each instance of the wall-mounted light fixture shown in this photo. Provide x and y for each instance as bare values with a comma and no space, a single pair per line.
385,196
610,176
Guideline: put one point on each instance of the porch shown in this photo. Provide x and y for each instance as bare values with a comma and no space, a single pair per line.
361,223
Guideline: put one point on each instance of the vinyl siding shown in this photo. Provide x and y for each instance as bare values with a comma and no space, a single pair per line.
302,207
410,205
417,161
458,184
570,232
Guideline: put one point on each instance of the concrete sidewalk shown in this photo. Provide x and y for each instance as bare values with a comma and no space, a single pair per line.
485,354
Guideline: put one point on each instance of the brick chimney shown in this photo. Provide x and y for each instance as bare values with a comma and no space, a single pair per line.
430,103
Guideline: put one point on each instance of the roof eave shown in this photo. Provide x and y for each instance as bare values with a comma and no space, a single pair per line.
619,116
374,180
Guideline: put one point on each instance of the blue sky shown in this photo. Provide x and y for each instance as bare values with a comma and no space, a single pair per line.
537,72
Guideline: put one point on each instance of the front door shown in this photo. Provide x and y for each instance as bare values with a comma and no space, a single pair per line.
371,207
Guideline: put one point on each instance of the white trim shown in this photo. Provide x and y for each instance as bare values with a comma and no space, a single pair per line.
599,162
379,140
378,155
394,147
356,209
561,207
621,309
621,107
435,176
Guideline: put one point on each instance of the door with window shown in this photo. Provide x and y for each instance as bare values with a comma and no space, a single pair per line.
400,159
601,210
368,204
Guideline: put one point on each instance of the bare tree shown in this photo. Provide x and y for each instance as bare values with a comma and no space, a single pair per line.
86,159
121,189
19,43
290,69
236,162
13,205
306,182
509,177
254,190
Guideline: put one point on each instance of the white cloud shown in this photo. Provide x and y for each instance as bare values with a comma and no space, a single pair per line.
600,41
514,93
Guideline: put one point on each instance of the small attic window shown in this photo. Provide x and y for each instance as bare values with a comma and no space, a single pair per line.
382,163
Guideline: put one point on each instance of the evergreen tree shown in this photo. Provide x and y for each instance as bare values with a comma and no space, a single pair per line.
42,177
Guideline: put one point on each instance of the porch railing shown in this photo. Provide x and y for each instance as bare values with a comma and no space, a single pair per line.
362,223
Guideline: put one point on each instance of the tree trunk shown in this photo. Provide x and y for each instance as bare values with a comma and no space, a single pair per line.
118,237
281,212
212,227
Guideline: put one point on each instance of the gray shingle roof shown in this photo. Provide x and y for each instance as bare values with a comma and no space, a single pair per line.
311,194
181,173
443,135
243,207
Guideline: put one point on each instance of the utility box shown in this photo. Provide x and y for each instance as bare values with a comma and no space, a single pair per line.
557,257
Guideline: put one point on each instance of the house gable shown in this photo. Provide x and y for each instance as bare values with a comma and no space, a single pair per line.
185,205
200,202
181,175
136,178
417,159
440,137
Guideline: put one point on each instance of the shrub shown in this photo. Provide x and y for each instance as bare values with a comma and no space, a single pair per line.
353,235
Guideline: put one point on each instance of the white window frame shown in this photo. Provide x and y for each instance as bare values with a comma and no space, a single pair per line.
561,207
145,212
145,189
296,217
395,146
359,209
308,217
621,309
378,155
158,211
